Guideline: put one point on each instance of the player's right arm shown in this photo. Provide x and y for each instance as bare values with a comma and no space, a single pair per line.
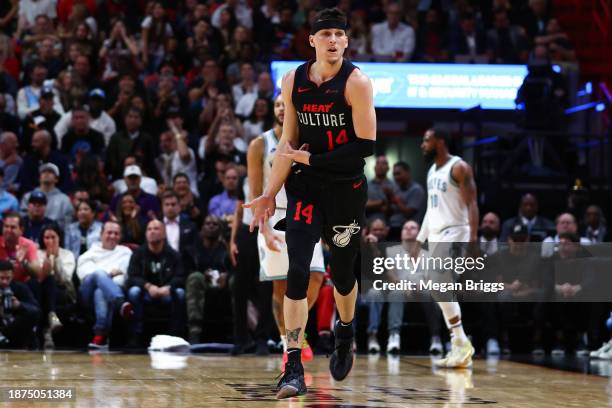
263,206
255,163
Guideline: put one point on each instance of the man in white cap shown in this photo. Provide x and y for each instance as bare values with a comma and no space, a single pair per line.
59,207
148,203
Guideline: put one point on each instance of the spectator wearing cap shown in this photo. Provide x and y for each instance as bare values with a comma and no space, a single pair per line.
42,153
20,312
28,96
131,141
35,220
80,131
147,184
176,157
59,207
8,202
148,203
85,231
45,117
392,40
99,120
10,161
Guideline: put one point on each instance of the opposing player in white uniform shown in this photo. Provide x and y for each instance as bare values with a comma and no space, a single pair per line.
452,216
273,257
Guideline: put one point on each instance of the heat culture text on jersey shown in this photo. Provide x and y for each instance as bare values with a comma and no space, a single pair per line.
313,114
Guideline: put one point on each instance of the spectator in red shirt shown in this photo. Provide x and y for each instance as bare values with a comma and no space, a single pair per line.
21,252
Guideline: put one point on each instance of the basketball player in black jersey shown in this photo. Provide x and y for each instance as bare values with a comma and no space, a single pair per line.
329,128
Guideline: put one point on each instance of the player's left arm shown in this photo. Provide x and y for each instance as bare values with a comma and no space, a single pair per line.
360,97
463,174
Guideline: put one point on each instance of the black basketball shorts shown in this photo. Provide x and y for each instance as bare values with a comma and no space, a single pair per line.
332,209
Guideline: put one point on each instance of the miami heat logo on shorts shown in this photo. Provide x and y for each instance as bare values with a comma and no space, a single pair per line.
343,233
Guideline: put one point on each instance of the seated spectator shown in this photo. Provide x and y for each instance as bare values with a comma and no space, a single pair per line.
207,271
82,234
410,246
156,35
131,220
147,184
408,199
191,205
131,141
99,120
10,161
156,275
559,46
506,43
432,38
88,174
102,271
35,220
45,50
8,120
80,130
379,190
28,96
56,287
595,229
28,177
489,233
265,89
20,251
519,268
392,40
222,143
376,232
59,207
468,42
79,195
181,232
19,310
148,203
565,224
8,202
260,120
247,84
537,226
223,205
176,157
572,314
535,18
359,33
45,117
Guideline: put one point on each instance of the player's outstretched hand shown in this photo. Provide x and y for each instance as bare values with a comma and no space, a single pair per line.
262,207
300,156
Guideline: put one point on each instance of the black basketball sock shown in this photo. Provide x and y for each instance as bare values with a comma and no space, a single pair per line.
294,355
344,330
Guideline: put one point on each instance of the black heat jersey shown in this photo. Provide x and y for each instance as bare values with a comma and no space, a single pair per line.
325,119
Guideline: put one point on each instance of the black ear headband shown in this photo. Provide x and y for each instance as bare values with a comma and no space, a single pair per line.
323,24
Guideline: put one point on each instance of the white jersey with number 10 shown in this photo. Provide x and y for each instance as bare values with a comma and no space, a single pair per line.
445,205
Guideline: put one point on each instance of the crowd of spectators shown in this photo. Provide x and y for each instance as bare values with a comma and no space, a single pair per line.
124,128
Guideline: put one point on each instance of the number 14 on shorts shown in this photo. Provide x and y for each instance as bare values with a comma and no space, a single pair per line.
305,212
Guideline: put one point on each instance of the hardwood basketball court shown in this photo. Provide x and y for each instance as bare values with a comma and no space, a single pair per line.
167,380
